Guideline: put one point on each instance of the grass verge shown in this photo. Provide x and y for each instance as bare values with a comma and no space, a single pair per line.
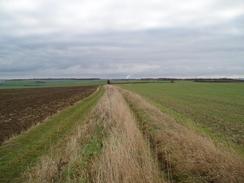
70,161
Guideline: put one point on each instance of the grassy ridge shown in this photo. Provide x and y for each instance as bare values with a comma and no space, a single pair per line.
23,151
215,108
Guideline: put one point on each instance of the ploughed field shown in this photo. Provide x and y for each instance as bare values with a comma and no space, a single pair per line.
216,109
22,108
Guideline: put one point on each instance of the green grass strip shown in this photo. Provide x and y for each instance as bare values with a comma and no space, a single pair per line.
23,151
78,170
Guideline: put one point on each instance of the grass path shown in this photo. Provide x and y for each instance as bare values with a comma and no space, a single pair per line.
23,151
126,155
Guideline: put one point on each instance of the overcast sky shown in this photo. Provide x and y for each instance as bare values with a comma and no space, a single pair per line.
121,38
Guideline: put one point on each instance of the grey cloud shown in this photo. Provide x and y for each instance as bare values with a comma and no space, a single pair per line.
175,51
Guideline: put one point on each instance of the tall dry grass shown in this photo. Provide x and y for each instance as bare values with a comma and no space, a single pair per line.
184,155
126,157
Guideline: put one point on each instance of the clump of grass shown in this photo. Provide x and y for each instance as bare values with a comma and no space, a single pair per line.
183,154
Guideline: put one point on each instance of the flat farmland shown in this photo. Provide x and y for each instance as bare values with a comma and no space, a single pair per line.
45,83
116,135
22,108
216,109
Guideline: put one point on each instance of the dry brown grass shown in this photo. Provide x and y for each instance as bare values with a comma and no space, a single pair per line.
126,157
51,166
184,155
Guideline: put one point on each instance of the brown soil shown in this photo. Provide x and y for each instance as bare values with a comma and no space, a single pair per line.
22,108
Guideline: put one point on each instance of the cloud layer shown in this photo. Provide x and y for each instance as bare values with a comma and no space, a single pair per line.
114,38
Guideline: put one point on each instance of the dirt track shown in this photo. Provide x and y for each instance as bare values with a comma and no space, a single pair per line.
22,108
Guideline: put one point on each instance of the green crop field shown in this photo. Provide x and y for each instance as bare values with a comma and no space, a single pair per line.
9,84
216,109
